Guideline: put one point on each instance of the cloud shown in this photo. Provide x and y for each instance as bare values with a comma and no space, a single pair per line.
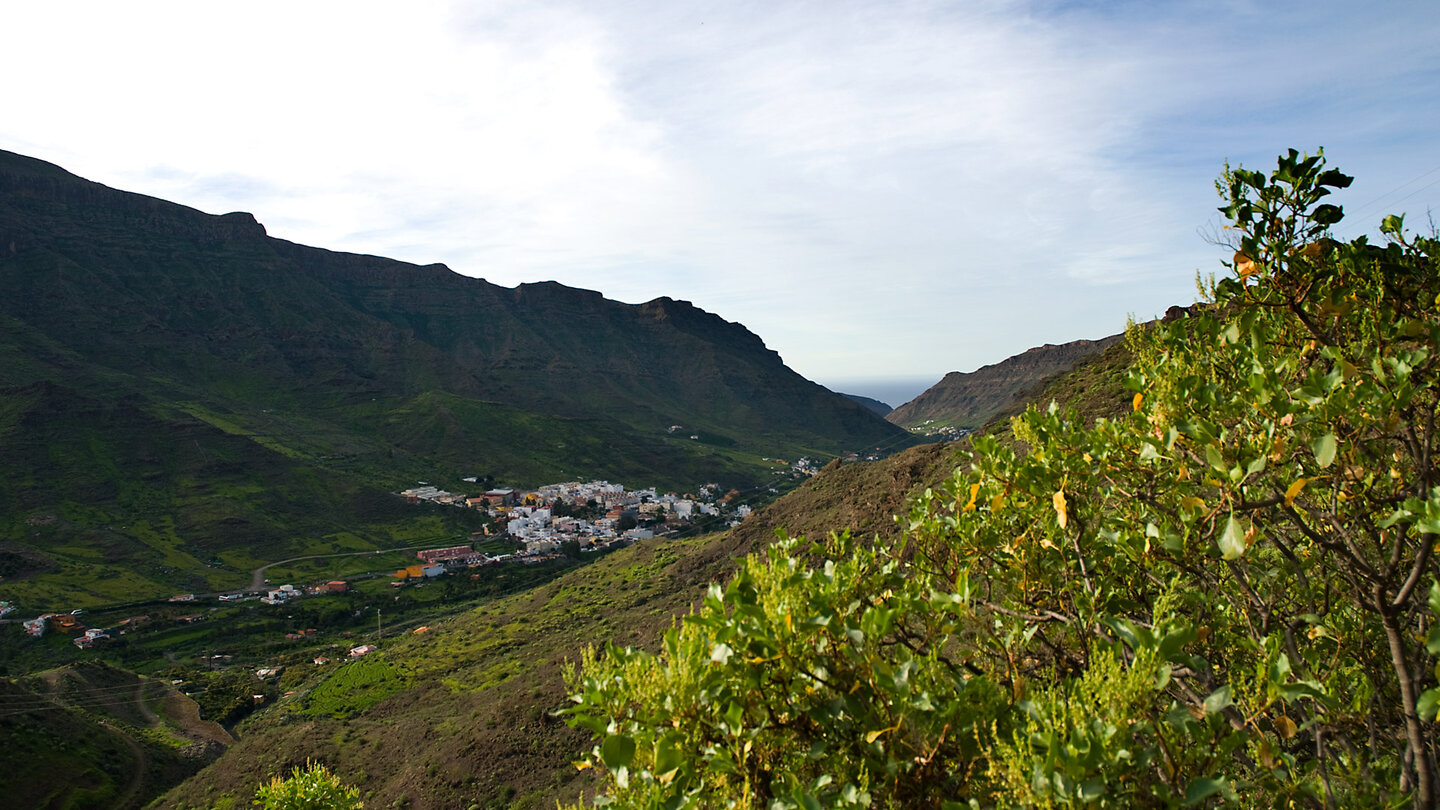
875,188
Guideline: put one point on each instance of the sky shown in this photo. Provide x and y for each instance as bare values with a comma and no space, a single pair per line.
884,192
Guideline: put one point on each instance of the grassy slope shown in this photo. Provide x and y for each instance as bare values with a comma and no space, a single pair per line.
471,725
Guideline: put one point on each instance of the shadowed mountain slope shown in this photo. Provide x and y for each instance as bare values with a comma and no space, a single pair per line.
187,304
969,400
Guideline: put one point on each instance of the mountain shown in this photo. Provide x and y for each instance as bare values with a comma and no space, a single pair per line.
181,393
969,400
875,405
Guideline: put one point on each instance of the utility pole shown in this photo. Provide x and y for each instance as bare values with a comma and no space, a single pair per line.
377,624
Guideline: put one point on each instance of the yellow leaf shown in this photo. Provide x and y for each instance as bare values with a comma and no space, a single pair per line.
997,502
1184,473
875,735
1193,503
1245,266
1293,491
1060,513
974,490
581,765
1137,401
1285,727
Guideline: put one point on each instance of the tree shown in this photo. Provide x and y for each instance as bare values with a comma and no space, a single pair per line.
1220,598
313,788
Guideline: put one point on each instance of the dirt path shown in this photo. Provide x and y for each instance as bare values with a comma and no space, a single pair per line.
151,719
130,798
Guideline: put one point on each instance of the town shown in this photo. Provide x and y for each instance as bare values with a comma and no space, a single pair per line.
557,520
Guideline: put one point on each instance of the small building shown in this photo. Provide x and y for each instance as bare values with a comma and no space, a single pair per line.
436,555
500,497
363,650
336,586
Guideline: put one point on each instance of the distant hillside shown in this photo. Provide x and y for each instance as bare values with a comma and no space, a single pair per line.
873,404
969,400
243,395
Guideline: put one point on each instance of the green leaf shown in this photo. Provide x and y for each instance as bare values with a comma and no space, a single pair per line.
1214,458
1435,597
1201,789
1327,214
1219,700
668,754
1324,448
617,751
1232,540
1428,703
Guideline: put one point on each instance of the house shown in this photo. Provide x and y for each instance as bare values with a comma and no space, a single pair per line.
281,595
500,497
363,650
184,597
335,586
435,555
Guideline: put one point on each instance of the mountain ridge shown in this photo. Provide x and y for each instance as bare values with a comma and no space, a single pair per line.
967,400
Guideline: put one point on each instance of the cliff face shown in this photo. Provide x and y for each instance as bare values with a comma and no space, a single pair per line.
969,400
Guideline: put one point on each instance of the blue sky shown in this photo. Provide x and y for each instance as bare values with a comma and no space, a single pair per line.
883,191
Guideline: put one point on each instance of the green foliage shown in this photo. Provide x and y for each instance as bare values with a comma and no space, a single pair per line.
355,687
793,687
1217,599
313,788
